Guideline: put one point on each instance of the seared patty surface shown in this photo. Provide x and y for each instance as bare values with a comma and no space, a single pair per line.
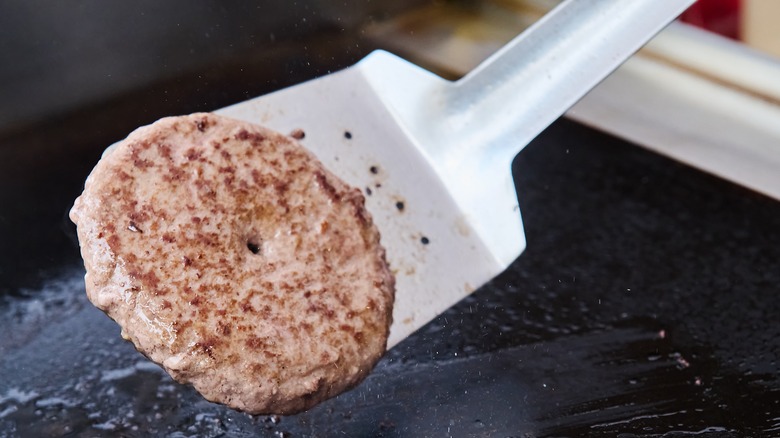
230,256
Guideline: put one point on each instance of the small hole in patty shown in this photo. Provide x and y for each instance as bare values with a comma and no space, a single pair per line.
252,246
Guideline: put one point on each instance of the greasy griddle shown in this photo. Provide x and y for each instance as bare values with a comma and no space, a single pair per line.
645,303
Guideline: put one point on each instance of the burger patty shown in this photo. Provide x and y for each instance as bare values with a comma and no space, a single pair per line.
229,255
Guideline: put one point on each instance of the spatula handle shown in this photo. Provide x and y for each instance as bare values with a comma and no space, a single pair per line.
516,93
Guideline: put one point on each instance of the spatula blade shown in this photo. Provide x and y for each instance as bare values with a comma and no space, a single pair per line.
434,251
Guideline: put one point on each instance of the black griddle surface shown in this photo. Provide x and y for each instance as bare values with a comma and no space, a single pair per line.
645,304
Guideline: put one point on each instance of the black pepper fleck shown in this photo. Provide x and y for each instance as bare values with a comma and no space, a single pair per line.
368,191
424,240
399,205
374,169
347,135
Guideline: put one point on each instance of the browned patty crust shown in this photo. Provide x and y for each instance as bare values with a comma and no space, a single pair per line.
228,254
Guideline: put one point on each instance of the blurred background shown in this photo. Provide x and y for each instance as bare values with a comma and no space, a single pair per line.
59,57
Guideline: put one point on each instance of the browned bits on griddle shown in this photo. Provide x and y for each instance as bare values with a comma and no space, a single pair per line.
298,134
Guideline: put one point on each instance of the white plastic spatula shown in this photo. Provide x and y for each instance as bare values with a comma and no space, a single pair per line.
434,156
